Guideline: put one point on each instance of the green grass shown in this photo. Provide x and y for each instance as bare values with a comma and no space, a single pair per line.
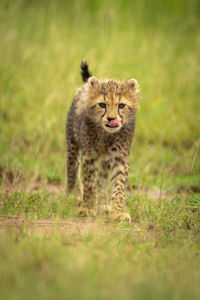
42,45
127,263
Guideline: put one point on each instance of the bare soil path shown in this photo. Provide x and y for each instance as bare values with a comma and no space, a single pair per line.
73,227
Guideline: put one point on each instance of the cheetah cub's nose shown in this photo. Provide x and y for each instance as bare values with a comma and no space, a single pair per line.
113,122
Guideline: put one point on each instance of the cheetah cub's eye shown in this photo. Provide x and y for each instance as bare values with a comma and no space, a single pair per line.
102,105
122,105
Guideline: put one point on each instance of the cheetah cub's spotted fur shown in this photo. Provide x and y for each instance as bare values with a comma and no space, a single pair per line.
100,125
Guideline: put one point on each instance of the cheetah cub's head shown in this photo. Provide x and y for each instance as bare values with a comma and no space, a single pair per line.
112,103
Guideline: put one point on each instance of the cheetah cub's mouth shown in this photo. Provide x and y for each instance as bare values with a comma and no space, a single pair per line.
113,126
113,123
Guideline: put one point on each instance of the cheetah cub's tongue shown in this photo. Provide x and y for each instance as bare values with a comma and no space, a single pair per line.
114,123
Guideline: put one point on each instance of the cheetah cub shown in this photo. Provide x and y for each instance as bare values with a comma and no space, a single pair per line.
100,125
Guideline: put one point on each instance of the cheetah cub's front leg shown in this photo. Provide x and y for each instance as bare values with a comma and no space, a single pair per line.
119,181
89,203
102,186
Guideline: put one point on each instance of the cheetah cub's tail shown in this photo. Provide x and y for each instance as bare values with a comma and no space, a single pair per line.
85,73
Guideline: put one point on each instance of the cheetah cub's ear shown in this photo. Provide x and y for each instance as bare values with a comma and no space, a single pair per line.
92,81
133,84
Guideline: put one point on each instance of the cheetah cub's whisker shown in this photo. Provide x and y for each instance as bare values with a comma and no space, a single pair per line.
100,126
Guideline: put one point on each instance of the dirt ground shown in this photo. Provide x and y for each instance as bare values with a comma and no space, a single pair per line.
62,226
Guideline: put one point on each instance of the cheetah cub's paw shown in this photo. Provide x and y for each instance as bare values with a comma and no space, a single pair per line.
104,209
86,212
120,216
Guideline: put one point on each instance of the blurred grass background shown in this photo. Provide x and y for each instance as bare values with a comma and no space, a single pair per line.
157,42
41,46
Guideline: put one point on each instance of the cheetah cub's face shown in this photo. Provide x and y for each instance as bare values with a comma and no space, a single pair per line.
112,103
